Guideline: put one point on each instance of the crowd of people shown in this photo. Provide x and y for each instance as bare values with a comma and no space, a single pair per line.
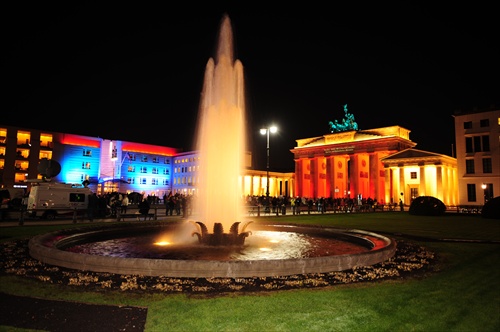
110,204
298,205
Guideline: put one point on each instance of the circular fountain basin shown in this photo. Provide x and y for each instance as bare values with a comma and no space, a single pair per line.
137,249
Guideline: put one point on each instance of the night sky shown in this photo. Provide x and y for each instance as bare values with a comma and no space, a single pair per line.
135,73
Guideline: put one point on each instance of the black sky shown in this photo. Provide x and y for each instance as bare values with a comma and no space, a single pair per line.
84,69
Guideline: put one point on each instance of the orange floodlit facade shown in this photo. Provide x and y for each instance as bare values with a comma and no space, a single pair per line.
358,164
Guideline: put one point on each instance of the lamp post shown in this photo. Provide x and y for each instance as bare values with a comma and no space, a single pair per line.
484,192
266,131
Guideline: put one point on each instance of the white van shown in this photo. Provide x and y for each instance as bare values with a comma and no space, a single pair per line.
47,200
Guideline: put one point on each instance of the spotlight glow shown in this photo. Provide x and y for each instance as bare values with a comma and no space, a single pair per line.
162,243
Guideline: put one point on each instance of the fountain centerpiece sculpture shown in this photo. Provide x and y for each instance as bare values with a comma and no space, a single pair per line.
221,144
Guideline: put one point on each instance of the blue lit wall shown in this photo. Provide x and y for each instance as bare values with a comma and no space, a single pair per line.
73,163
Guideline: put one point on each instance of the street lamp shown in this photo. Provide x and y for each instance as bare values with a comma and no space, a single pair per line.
484,192
265,131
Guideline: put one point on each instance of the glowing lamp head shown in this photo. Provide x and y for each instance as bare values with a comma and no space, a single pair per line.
272,130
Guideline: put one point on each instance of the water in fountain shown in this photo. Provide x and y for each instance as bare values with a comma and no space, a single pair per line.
221,136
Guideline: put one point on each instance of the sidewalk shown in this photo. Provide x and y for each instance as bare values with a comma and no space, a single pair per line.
67,221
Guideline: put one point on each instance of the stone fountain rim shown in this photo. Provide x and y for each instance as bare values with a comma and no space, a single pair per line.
45,248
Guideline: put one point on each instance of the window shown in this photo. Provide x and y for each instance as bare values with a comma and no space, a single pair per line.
488,192
413,175
468,145
114,153
154,170
73,197
165,182
131,157
46,140
486,142
144,159
22,154
413,193
144,169
156,159
131,180
468,125
87,153
143,181
471,192
487,165
131,169
477,144
166,171
469,166
484,123
85,165
167,161
154,181
45,154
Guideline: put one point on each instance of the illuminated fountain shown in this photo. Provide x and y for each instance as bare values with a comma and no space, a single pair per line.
221,146
170,248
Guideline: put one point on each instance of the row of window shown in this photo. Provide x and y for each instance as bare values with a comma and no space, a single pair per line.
487,192
185,169
477,144
482,123
153,181
144,170
141,180
130,156
24,138
470,167
131,169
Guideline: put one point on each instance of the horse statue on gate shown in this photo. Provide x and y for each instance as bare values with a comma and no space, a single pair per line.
348,123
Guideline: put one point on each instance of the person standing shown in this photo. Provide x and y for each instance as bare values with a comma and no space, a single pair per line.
124,204
298,203
92,206
144,208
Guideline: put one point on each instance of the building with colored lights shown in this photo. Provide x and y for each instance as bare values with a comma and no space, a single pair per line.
108,166
380,163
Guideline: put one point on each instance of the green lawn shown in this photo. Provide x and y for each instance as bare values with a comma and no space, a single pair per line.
463,296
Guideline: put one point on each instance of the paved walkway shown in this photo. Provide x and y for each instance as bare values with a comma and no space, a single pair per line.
66,221
14,220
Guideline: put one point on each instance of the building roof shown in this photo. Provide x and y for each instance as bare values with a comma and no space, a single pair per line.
415,155
355,136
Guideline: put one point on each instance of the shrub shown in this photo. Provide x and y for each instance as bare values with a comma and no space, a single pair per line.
427,206
491,210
